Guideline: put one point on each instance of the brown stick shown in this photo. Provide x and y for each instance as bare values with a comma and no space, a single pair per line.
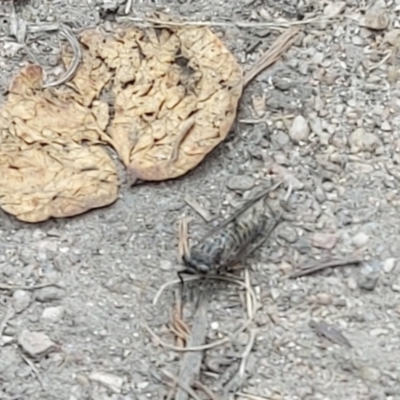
321,266
191,362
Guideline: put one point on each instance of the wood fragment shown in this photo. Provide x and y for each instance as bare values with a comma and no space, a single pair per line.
191,362
316,267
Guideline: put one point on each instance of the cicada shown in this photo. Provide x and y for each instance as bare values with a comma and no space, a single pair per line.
232,240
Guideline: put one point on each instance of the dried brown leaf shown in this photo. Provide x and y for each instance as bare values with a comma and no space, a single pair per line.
45,169
176,93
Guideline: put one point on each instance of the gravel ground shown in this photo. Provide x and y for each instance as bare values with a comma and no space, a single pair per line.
326,119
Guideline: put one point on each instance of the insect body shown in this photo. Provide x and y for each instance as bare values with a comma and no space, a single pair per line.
229,242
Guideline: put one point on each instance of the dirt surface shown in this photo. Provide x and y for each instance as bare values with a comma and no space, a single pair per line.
330,335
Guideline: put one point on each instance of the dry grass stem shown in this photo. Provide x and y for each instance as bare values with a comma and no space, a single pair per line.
279,26
281,44
4,286
319,266
250,396
183,247
246,353
182,385
197,348
34,369
206,390
193,203
67,33
178,326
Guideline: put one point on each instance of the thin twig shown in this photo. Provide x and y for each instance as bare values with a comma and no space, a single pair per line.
160,23
250,396
180,329
281,44
316,267
265,121
4,286
183,247
210,276
34,369
246,353
182,385
191,362
193,203
128,6
384,59
249,303
72,68
197,348
205,389
238,379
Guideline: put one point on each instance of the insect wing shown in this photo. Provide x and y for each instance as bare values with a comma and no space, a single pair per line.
240,211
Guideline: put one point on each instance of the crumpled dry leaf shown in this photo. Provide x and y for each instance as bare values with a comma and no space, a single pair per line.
176,92
46,170
162,98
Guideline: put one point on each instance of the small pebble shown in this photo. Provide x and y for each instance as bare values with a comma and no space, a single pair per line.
214,325
370,374
299,130
389,264
360,240
35,343
288,234
324,298
241,182
112,382
363,141
320,195
368,281
50,293
21,300
324,240
376,19
396,287
286,268
53,314
166,265
352,283
386,126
